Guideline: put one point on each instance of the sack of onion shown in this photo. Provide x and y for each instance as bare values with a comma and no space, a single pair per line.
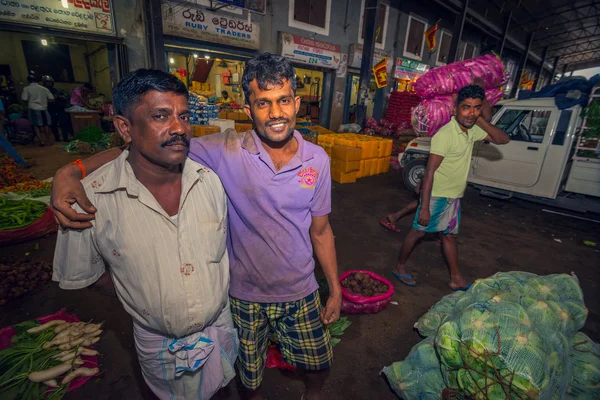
47,357
365,292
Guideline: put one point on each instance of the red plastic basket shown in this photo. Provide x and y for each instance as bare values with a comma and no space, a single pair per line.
357,304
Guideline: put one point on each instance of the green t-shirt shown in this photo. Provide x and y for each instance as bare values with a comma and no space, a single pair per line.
456,146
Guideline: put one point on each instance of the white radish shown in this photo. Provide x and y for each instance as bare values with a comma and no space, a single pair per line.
91,328
68,357
61,327
51,373
71,344
79,372
78,361
47,325
92,334
91,341
51,383
87,352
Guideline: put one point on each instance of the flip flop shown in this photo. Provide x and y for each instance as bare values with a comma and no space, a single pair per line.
462,288
407,277
388,225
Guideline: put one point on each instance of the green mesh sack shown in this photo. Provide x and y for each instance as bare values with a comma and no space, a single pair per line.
585,359
557,287
550,316
498,350
418,376
429,323
501,284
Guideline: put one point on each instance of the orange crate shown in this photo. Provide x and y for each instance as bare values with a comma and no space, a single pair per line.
341,177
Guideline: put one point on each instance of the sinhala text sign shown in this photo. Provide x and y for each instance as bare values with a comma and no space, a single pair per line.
409,69
309,51
90,16
195,23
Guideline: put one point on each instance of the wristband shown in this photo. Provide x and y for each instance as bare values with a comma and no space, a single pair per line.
81,167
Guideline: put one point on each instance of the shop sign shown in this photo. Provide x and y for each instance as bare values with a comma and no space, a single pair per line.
90,16
356,52
310,51
380,73
252,5
194,23
409,69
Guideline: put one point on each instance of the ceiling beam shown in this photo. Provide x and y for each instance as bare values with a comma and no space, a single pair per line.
578,53
567,43
593,25
584,64
562,9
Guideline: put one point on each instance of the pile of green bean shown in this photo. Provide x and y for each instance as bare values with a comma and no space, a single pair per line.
16,214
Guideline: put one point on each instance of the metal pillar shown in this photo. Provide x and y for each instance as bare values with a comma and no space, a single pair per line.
156,38
371,17
564,70
459,24
538,74
505,34
554,68
515,87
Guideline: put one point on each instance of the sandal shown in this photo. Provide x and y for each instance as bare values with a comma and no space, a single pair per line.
387,224
404,278
462,288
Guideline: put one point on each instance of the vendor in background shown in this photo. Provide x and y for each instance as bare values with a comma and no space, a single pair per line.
5,144
57,109
37,98
225,99
80,96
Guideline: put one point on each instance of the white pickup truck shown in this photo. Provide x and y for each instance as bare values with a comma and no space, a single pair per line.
536,165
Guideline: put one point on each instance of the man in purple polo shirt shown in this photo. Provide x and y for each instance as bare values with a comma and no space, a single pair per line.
279,192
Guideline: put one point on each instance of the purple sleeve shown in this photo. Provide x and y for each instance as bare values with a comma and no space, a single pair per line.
208,150
321,202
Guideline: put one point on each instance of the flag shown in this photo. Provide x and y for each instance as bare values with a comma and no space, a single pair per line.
380,73
430,37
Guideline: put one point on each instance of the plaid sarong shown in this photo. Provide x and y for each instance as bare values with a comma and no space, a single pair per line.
303,339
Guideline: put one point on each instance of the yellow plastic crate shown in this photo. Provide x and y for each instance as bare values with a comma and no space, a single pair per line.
341,177
361,169
369,148
346,153
384,147
321,130
374,167
382,164
369,166
345,166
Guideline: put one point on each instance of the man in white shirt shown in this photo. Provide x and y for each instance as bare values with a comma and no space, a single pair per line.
37,97
160,230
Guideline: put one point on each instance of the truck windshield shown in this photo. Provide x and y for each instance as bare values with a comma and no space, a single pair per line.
524,125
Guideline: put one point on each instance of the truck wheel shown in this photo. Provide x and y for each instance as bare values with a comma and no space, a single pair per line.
413,173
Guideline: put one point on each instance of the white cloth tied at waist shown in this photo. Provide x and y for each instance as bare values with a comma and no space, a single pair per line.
192,367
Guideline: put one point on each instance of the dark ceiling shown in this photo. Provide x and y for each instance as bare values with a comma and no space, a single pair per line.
569,29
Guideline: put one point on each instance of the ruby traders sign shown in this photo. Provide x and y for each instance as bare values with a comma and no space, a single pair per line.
89,16
192,22
309,51
409,69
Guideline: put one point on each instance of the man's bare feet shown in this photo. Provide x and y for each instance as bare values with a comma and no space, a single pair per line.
458,283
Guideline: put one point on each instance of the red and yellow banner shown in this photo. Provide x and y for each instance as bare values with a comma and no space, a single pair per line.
380,73
430,39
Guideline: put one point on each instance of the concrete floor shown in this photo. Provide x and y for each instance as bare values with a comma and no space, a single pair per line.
496,236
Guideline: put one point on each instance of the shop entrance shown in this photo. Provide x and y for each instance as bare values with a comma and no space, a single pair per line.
351,97
64,64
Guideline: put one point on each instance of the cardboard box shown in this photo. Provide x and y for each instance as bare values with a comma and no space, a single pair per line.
203,130
346,153
223,115
345,166
341,177
224,124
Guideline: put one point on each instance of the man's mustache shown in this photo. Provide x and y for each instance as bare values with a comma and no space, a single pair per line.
176,139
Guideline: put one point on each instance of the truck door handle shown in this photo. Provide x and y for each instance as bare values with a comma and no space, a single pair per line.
532,148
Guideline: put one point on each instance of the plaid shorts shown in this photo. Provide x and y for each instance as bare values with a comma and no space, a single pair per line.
303,339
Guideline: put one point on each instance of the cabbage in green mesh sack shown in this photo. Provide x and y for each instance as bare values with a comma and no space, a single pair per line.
585,359
557,287
494,343
502,284
553,316
429,323
418,376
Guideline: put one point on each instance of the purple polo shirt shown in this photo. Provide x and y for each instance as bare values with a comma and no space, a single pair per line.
270,251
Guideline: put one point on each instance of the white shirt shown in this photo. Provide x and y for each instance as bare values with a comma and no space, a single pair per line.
36,96
172,278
